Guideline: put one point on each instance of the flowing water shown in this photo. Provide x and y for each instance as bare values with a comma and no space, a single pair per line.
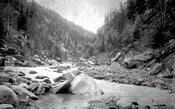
144,95
63,101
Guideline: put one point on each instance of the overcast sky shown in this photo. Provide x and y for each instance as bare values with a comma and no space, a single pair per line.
87,13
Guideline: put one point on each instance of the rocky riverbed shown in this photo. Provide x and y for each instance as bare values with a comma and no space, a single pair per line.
68,86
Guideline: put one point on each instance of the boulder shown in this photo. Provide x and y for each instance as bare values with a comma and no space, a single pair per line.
63,87
76,72
20,79
41,77
19,57
127,103
157,68
2,61
130,63
46,80
33,72
33,87
24,85
29,64
8,96
37,59
69,75
5,78
24,92
168,74
59,79
18,63
85,85
58,59
39,88
117,56
21,74
6,106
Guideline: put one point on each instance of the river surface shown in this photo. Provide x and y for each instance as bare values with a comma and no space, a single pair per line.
63,101
143,95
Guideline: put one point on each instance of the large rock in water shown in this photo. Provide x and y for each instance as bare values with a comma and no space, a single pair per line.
8,96
69,76
63,87
85,85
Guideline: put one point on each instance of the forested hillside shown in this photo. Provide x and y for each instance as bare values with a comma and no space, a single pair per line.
27,28
138,24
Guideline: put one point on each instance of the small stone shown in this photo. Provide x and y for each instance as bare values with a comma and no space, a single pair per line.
21,74
41,77
33,72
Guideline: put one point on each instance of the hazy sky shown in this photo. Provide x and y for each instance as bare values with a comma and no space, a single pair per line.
87,13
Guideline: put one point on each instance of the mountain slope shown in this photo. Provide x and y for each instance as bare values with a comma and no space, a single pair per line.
42,29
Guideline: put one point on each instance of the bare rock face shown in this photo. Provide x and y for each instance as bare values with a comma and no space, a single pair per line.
8,96
156,69
85,85
137,60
